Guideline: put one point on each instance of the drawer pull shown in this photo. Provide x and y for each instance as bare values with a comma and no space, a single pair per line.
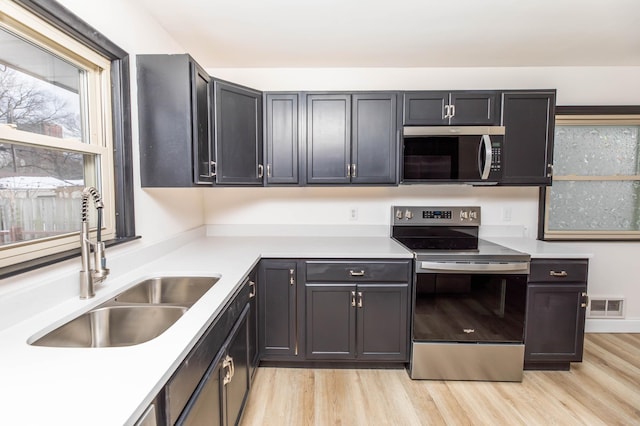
558,274
357,273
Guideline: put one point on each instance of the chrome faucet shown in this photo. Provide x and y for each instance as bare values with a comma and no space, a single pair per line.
88,276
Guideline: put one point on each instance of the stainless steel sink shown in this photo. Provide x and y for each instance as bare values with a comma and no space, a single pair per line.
134,316
183,291
113,326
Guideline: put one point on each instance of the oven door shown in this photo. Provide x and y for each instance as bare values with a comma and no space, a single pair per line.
466,302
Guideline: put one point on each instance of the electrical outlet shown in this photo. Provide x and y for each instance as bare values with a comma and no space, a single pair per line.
506,214
353,213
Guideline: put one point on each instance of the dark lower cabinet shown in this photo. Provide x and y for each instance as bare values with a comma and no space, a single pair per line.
357,310
222,393
331,321
527,152
556,308
364,321
278,310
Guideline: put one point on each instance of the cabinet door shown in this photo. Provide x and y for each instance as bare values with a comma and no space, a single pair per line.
238,135
282,138
555,322
328,139
166,120
205,407
375,138
425,108
236,387
330,321
277,332
527,153
383,330
202,158
475,108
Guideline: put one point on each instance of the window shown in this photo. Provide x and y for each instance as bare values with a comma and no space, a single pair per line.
63,126
596,183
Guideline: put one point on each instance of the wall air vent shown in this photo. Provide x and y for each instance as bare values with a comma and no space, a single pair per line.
606,307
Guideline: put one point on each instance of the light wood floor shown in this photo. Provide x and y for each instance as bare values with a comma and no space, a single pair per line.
602,390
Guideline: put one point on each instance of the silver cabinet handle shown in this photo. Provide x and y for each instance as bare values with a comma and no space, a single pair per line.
359,299
560,274
353,298
260,170
586,300
226,365
292,279
447,113
348,170
214,169
268,170
252,292
357,273
453,110
353,170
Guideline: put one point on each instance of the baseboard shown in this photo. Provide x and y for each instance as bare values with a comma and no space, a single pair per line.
612,325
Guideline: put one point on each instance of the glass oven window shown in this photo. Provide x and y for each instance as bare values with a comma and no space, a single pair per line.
480,308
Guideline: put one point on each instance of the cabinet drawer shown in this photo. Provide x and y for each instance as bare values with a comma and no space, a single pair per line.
358,271
558,270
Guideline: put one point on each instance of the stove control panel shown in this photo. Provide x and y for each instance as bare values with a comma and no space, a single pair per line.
436,216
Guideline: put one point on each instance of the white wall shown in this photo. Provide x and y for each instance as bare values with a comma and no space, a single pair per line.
160,213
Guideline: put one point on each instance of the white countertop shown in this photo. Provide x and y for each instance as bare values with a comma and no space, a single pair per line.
542,249
112,386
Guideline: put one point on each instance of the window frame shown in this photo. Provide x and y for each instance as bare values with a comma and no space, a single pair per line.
118,124
596,115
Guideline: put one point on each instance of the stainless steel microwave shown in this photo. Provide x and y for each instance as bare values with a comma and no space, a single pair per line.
444,154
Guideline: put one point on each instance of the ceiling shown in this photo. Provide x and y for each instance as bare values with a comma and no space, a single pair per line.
403,33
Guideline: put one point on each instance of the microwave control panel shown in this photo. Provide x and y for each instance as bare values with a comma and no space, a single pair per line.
496,157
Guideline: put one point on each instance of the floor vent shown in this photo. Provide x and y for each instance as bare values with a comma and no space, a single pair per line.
606,307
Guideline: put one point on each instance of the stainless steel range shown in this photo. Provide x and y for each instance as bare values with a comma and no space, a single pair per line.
469,296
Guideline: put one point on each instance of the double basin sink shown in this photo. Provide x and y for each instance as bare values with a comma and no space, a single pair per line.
134,316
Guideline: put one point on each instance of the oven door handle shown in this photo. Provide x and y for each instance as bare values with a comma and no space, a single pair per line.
453,267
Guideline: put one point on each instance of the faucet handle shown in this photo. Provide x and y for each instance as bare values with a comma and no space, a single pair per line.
100,264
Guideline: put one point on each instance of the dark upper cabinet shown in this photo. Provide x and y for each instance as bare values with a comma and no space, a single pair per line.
174,127
238,135
441,108
282,138
328,138
527,152
375,138
556,308
278,309
352,138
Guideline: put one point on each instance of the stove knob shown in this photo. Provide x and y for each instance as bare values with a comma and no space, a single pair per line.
399,214
473,215
408,214
464,214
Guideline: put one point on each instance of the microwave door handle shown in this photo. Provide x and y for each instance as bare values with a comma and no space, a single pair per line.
484,170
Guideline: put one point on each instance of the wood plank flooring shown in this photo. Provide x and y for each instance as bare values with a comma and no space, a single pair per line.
602,390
